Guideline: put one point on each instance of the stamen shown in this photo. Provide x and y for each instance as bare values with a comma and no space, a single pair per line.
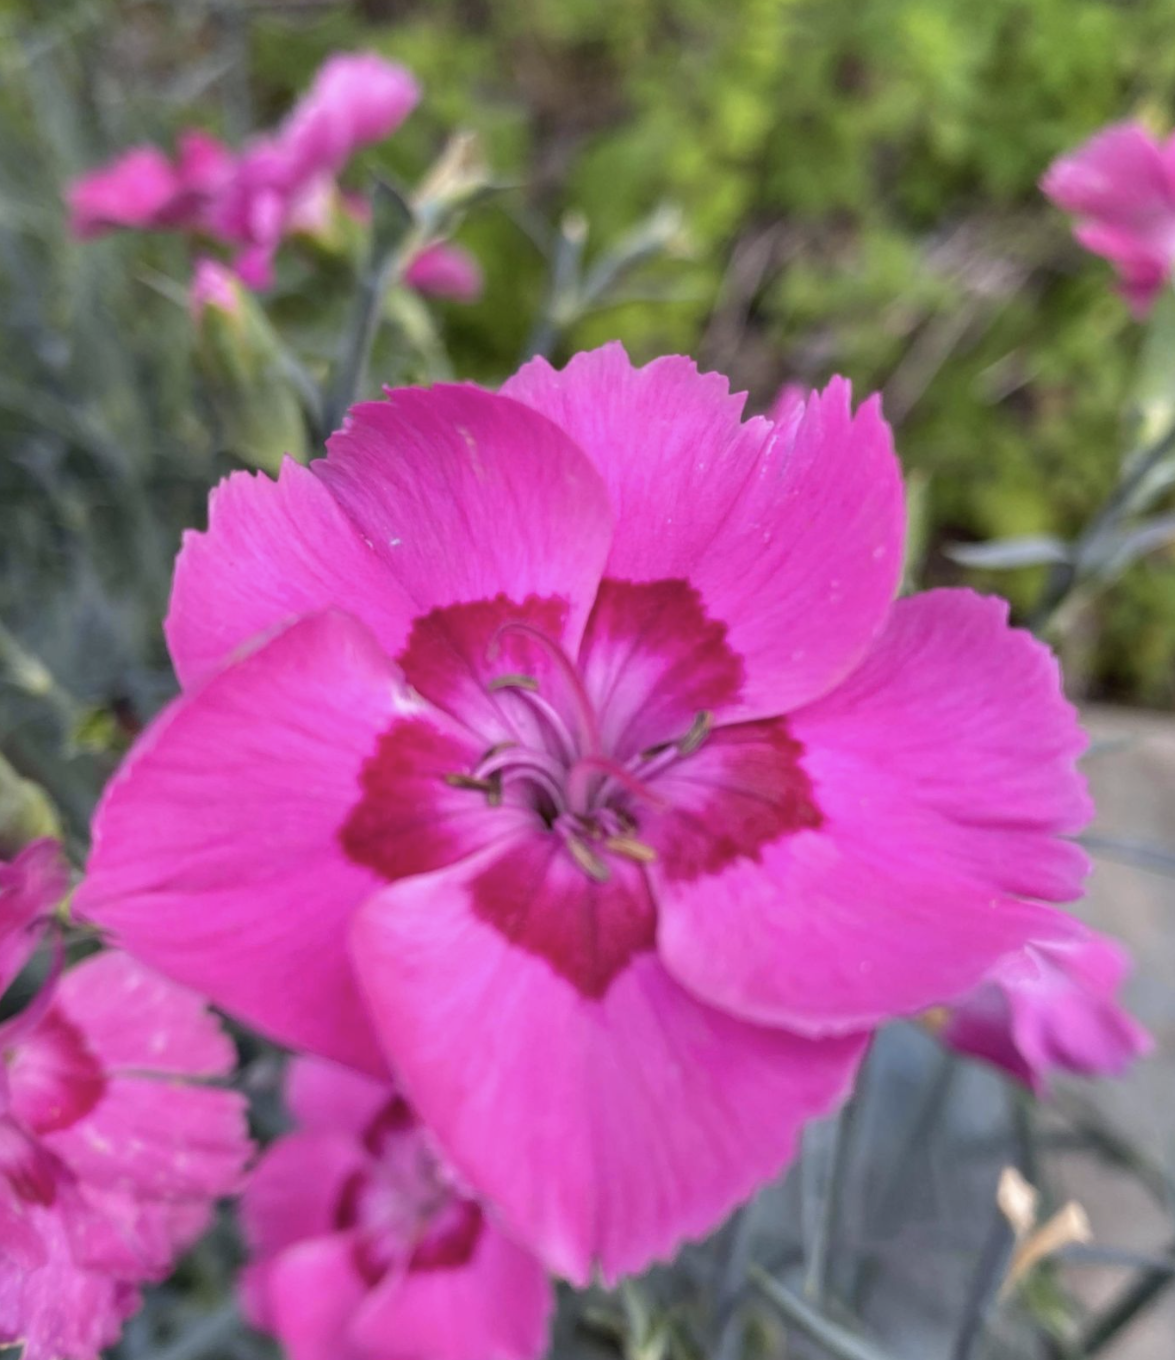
577,789
587,859
697,733
631,848
469,781
526,682
584,708
550,715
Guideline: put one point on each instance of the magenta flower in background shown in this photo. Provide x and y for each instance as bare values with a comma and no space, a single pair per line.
445,270
31,885
110,1152
568,746
367,1249
145,190
214,285
1052,1006
276,185
788,407
1120,185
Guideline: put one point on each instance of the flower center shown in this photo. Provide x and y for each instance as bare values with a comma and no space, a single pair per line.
574,784
403,1210
558,764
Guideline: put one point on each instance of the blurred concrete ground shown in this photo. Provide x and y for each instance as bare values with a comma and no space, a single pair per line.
1132,772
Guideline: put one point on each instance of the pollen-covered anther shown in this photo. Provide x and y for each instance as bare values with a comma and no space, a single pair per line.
470,781
526,682
595,866
697,734
631,848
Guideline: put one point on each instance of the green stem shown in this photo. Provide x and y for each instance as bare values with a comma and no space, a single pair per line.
836,1158
1132,1301
738,1260
1064,577
205,1337
392,241
837,1341
30,675
985,1285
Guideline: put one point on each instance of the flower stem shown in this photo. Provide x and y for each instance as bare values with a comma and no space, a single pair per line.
1134,1299
738,1261
390,239
834,1160
837,1341
1065,577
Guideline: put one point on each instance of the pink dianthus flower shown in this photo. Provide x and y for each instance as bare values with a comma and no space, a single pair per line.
1120,185
568,746
1051,1006
278,184
110,1154
367,1249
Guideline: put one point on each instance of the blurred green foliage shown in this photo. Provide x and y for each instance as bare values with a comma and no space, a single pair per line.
858,191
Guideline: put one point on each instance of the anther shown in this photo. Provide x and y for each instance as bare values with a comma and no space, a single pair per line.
527,682
587,859
631,848
469,781
698,732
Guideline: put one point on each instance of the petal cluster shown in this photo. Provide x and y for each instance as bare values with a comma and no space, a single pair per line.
1051,1007
566,748
366,1248
280,184
112,1146
1120,186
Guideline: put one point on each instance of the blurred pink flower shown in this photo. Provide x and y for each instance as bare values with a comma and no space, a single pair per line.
214,285
275,185
145,190
1120,185
31,885
283,180
445,270
111,1153
788,407
1051,1006
367,1249
586,714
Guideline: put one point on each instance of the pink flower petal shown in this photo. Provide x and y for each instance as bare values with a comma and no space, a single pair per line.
1052,1006
31,886
216,856
324,1097
295,1189
158,1139
1121,187
1120,175
357,98
793,536
605,1130
311,1292
408,818
653,661
467,495
60,1311
136,190
273,551
944,771
53,1077
496,1307
134,1019
788,407
445,270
